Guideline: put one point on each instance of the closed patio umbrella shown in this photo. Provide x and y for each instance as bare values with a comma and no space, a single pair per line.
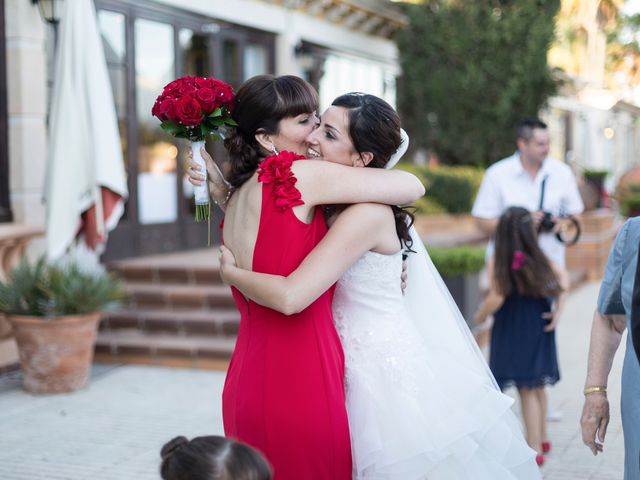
86,183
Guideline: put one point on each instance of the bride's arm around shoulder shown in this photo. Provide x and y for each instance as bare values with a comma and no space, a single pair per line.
358,229
323,182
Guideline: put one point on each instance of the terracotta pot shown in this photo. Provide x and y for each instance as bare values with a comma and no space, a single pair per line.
55,354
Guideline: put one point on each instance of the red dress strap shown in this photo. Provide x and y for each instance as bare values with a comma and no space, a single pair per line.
276,170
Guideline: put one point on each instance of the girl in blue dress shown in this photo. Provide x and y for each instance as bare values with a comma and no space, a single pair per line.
525,297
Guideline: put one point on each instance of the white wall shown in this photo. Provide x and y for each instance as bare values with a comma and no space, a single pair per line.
26,92
292,26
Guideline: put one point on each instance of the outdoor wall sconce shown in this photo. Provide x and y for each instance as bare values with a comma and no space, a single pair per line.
304,55
50,10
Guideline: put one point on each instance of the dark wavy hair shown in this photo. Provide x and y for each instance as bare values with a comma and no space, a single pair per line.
534,277
260,103
211,458
374,126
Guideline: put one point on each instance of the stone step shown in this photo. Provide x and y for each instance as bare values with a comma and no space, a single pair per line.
221,322
178,296
204,275
190,267
132,342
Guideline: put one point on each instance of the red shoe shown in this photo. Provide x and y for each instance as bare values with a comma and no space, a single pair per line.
546,447
540,460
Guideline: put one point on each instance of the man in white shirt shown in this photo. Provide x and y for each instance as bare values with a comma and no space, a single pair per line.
517,181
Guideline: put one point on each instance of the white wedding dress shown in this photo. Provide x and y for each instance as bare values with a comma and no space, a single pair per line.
420,405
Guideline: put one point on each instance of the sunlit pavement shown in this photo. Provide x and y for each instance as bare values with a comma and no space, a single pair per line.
570,458
114,428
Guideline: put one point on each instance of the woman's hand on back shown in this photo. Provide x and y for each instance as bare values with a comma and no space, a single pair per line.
227,262
552,320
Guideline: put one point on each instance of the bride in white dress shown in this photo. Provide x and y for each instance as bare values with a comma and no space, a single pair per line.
421,401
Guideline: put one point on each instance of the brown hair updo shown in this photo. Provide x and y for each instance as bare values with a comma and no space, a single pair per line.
260,103
374,126
211,458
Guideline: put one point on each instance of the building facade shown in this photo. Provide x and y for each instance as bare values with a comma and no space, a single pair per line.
594,120
337,45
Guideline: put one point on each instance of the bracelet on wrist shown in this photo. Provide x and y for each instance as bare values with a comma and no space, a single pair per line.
598,389
226,198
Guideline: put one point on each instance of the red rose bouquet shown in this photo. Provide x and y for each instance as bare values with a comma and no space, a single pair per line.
196,108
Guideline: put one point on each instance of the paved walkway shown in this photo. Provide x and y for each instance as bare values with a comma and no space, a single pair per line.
114,428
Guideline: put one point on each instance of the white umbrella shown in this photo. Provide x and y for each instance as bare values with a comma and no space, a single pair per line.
86,183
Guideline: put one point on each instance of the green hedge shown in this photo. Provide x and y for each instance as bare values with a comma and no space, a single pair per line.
628,198
456,261
449,189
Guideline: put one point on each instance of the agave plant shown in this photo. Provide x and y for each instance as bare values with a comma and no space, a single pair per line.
45,290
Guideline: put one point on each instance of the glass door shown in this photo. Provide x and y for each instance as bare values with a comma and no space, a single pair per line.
147,45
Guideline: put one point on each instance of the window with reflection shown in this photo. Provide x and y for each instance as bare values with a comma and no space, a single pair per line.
157,151
255,60
232,64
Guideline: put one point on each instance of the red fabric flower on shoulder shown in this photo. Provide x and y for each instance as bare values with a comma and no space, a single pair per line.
276,169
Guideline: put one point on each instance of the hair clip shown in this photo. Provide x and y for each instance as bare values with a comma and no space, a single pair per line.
518,260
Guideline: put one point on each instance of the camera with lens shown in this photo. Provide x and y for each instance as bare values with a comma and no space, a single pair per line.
568,232
547,223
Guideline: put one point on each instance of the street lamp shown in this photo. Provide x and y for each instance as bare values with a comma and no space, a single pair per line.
49,10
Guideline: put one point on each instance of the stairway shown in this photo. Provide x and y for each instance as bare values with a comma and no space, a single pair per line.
178,313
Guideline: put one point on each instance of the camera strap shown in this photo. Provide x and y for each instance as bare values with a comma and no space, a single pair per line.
542,187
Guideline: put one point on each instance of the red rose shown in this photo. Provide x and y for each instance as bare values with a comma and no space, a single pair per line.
156,104
202,82
224,94
188,111
172,88
187,86
207,99
164,108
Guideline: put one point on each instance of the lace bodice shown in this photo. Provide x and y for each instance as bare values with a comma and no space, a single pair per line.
373,283
371,317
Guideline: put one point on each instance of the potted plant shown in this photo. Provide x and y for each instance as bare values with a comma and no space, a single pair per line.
629,200
54,312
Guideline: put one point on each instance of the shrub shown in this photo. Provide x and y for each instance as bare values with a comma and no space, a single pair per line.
628,198
630,204
456,261
45,290
428,206
449,189
594,174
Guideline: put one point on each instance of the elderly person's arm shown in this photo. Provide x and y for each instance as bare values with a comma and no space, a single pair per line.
606,333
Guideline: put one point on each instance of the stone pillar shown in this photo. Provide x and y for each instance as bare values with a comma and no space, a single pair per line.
286,41
27,112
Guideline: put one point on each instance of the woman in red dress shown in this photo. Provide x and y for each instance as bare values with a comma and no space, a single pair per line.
284,391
